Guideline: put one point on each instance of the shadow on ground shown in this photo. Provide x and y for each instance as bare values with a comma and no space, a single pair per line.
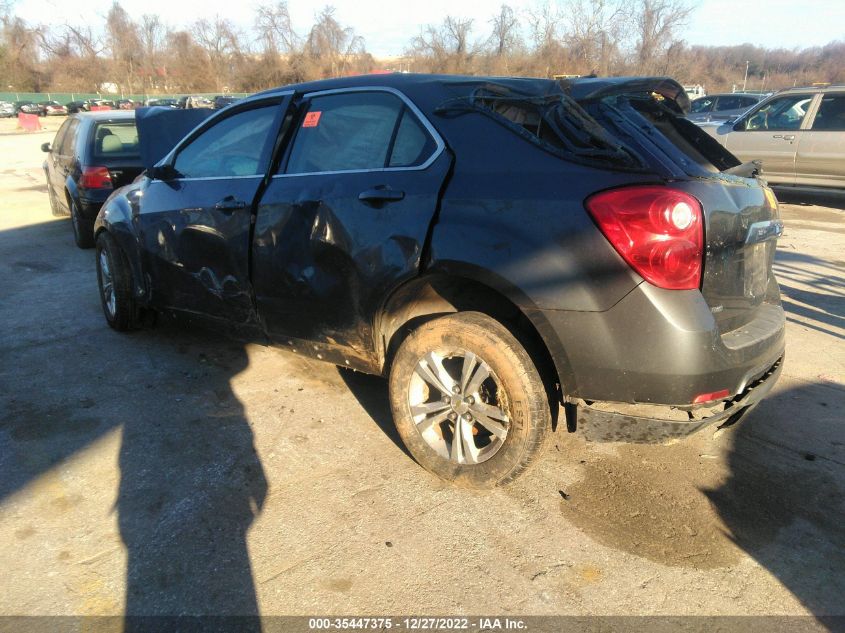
820,304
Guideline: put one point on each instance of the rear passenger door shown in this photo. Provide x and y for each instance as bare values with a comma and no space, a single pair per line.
820,160
345,219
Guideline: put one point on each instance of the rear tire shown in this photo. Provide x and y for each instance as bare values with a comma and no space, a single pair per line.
114,278
83,230
472,430
54,204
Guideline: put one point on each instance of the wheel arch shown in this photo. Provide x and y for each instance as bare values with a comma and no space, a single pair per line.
115,219
435,294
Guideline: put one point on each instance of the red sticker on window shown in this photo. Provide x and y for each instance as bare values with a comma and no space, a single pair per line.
311,119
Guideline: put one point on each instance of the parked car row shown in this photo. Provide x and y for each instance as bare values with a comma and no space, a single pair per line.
721,107
54,108
485,243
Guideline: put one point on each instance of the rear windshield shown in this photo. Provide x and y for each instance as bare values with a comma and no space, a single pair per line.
116,139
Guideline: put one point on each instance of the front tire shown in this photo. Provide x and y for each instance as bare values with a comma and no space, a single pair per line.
115,281
468,401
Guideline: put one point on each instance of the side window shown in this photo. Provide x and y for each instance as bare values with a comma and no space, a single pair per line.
728,103
357,131
69,139
782,114
701,105
239,145
413,144
60,135
831,114
747,102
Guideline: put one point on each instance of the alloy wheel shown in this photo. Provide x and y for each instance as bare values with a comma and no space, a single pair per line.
459,406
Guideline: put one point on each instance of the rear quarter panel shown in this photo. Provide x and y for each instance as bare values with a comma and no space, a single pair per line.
513,217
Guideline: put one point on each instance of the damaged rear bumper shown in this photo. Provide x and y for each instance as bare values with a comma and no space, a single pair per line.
623,425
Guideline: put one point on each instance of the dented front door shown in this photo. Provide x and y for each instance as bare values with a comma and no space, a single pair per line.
196,225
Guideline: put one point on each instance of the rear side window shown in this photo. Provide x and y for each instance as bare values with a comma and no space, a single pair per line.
358,131
831,114
728,103
116,139
239,145
747,102
701,105
412,145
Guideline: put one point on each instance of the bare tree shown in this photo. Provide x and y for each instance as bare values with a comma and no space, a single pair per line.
19,54
544,24
593,32
219,39
124,45
656,23
275,30
445,48
505,38
333,48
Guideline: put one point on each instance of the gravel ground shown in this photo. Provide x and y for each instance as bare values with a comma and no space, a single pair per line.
170,471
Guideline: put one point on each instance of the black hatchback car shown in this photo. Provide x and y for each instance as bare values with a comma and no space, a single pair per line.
91,155
495,247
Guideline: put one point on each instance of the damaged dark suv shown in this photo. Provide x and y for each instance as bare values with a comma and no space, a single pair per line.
496,247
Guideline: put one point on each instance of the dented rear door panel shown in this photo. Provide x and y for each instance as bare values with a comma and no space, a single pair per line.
324,260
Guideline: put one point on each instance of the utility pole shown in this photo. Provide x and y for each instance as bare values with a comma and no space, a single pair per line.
745,81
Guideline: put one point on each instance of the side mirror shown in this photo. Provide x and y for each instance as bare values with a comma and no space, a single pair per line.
45,147
164,172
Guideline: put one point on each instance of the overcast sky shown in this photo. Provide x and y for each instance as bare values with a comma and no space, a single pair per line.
387,25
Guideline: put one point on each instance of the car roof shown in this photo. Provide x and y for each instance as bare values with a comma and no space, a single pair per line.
405,80
732,94
813,89
101,115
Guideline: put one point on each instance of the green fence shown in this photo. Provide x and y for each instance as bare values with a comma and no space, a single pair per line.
67,97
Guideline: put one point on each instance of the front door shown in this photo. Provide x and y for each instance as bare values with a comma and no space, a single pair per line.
196,224
771,134
820,161
345,219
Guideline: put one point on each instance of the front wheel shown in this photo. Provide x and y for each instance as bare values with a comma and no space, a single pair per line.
468,401
115,280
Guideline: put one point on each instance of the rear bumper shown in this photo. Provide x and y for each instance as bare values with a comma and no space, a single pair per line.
660,347
90,202
613,426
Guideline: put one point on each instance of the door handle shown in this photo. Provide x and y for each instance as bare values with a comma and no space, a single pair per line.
381,194
229,203
785,137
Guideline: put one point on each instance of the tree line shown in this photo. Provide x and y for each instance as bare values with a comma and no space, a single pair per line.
553,37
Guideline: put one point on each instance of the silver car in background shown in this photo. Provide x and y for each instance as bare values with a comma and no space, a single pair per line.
798,134
721,107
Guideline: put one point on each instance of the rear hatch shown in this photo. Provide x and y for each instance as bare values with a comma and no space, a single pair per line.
740,211
115,147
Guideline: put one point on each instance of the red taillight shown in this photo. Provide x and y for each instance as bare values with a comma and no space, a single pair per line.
95,178
659,231
709,397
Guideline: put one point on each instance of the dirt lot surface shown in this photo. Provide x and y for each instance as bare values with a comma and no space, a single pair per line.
170,471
